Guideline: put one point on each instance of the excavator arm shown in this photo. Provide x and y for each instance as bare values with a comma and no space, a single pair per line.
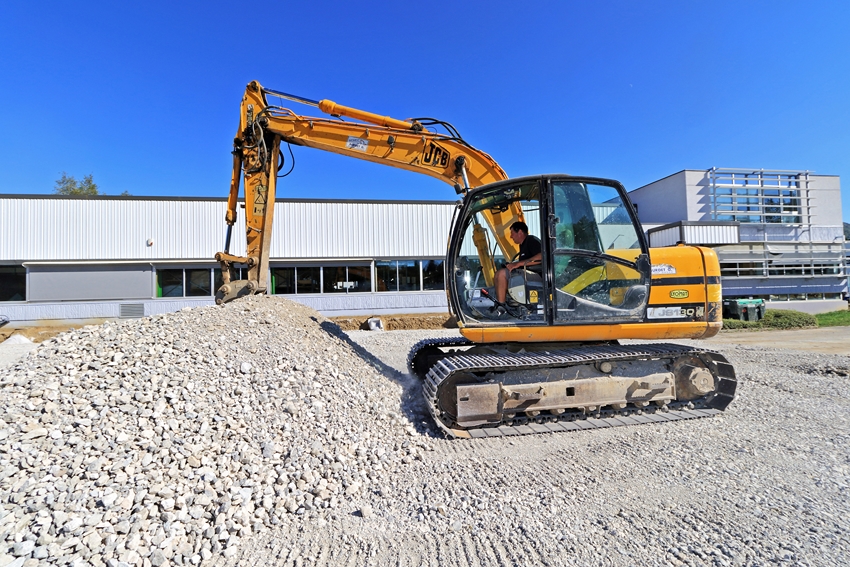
405,144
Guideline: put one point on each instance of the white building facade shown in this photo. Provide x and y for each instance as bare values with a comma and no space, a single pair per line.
778,234
110,257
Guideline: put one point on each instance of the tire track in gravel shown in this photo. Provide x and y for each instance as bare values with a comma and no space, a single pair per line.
485,551
445,555
324,547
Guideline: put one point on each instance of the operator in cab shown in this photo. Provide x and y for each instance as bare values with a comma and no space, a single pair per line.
530,255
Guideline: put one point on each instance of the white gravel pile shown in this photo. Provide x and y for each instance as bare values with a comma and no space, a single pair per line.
167,440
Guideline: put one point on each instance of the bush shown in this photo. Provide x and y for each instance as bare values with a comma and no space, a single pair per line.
788,319
774,319
736,324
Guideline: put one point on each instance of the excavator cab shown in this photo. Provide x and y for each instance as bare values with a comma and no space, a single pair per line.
595,264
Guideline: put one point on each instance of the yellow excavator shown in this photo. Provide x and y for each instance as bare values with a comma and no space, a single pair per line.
548,356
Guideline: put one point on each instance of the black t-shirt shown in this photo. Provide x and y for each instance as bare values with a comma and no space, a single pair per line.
529,248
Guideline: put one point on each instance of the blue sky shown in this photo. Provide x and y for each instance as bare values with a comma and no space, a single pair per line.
145,96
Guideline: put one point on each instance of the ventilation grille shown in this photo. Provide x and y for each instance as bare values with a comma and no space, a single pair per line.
131,310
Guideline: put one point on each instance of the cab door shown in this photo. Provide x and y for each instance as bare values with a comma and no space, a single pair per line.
600,270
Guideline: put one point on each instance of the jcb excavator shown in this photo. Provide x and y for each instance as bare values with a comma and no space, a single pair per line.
548,357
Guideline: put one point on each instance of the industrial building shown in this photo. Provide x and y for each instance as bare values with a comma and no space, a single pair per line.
778,234
109,257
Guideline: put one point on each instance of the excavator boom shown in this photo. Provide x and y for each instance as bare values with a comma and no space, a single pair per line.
404,144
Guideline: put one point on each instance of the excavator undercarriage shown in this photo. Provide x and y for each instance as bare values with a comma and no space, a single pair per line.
519,388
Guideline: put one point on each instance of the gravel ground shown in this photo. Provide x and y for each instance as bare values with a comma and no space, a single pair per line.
257,434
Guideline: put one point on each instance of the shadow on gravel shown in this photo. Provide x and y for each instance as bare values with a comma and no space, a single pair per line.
412,403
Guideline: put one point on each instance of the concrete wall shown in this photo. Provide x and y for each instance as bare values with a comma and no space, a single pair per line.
698,195
812,307
327,305
99,282
662,202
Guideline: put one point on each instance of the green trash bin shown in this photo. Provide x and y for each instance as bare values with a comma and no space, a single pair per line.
743,309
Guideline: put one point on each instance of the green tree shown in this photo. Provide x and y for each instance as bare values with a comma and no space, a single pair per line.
68,185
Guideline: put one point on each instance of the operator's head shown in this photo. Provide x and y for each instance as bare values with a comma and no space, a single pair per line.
519,230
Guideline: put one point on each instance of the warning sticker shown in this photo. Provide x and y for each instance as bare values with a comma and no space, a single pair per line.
260,200
355,143
663,270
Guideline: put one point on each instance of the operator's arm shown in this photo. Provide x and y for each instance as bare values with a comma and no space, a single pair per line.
533,261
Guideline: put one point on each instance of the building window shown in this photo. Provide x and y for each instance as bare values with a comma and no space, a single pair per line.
742,269
347,279
169,283
292,280
408,275
761,196
13,283
826,269
198,283
397,275
308,279
191,282
432,275
386,275
283,281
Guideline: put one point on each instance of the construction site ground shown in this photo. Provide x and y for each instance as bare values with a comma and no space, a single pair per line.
764,483
827,340
398,322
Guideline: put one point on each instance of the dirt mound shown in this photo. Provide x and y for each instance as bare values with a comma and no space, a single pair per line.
38,334
399,322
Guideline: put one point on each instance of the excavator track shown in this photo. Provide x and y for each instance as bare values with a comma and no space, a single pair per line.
497,374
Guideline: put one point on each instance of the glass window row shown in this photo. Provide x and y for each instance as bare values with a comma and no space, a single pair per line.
389,276
758,206
758,269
